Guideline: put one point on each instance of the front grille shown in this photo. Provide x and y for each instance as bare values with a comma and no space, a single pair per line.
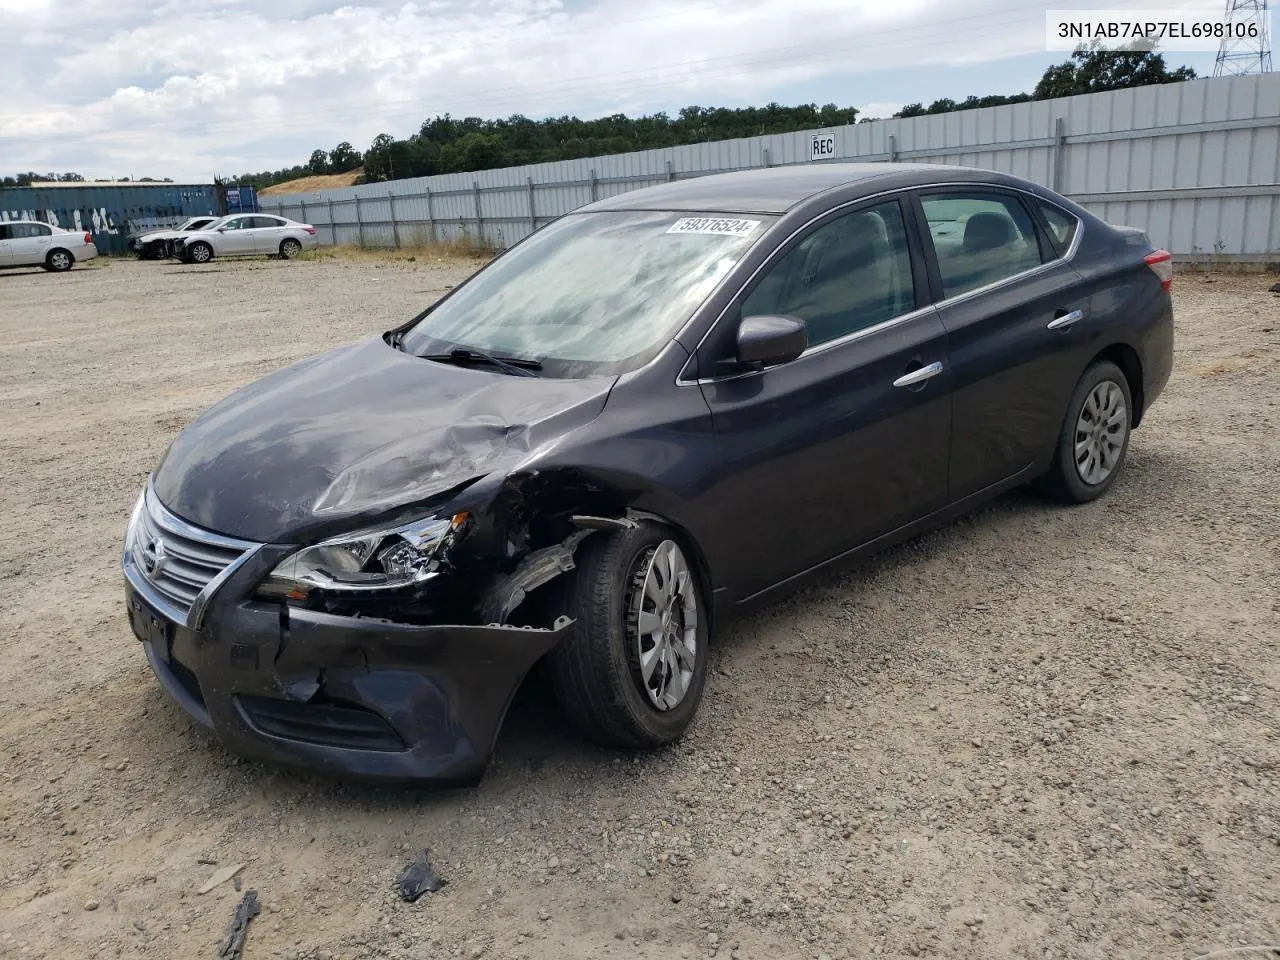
177,559
328,724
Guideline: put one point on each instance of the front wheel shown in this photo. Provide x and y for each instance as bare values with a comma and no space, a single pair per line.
290,248
631,673
199,253
1094,438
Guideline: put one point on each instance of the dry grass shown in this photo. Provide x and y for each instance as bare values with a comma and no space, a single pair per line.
457,252
311,184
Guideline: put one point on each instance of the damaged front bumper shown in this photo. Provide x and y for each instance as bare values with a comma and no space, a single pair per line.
350,696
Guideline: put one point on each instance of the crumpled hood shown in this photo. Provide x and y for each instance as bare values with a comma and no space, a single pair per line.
357,431
166,235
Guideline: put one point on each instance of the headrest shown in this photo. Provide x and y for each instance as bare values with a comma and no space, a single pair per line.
987,231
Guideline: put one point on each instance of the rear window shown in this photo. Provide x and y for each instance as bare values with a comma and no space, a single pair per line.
979,238
1062,226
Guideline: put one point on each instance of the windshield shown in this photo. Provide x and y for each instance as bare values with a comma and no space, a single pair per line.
591,292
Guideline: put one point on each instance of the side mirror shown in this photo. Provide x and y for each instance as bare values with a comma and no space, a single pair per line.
222,229
770,340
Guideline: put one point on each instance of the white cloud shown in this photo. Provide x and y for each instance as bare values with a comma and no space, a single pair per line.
109,86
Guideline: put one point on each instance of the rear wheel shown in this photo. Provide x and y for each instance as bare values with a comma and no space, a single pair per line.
290,248
631,673
1094,438
58,261
199,252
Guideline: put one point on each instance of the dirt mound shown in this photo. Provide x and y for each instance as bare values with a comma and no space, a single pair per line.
310,184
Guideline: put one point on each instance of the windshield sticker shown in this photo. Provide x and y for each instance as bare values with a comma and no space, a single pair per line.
715,226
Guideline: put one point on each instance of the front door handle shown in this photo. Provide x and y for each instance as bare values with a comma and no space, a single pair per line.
927,372
1066,320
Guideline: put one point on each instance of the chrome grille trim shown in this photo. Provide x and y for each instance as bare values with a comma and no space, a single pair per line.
195,562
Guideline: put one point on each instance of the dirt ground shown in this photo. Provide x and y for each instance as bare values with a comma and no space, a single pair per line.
1037,732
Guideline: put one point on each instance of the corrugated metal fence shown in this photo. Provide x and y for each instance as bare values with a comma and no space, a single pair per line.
1196,164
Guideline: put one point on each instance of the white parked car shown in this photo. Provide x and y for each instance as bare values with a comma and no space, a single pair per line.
246,235
157,244
30,243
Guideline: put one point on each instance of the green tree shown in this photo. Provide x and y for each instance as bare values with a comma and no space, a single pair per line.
1094,70
319,162
344,157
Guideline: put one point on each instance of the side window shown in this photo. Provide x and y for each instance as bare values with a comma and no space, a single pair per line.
849,274
1062,226
266,222
239,223
6,231
39,230
979,238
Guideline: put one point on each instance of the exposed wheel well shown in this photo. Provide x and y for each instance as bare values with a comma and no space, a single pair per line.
1126,358
693,550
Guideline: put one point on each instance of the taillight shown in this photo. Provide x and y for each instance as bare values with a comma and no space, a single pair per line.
88,239
310,230
1162,263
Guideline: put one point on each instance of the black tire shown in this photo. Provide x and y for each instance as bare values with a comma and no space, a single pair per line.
289,248
58,261
595,673
198,252
1064,481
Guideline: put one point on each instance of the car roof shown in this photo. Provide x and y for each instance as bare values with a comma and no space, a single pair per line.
775,190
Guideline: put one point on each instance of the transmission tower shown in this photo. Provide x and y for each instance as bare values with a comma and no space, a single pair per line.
1239,55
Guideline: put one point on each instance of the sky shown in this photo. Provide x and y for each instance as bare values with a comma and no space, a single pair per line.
171,88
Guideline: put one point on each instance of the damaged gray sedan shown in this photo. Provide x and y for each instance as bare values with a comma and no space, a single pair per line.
653,412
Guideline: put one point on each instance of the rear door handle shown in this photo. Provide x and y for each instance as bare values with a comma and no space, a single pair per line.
927,372
1066,320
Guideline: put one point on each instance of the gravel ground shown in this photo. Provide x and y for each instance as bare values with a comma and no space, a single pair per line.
1037,732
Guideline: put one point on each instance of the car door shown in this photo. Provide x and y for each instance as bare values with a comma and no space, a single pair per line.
28,243
848,441
35,246
235,237
1008,300
268,232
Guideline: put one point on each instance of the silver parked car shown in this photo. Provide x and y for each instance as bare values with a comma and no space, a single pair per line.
246,235
30,243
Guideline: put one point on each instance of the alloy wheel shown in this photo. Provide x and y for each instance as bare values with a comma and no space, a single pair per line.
60,261
662,622
1100,434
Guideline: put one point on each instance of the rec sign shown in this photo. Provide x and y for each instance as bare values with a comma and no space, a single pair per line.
822,146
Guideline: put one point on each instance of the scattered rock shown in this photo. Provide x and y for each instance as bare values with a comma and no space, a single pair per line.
91,905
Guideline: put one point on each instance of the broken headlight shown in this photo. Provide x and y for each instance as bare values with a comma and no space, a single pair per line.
370,560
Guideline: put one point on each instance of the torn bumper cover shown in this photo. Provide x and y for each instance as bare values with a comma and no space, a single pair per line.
350,696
